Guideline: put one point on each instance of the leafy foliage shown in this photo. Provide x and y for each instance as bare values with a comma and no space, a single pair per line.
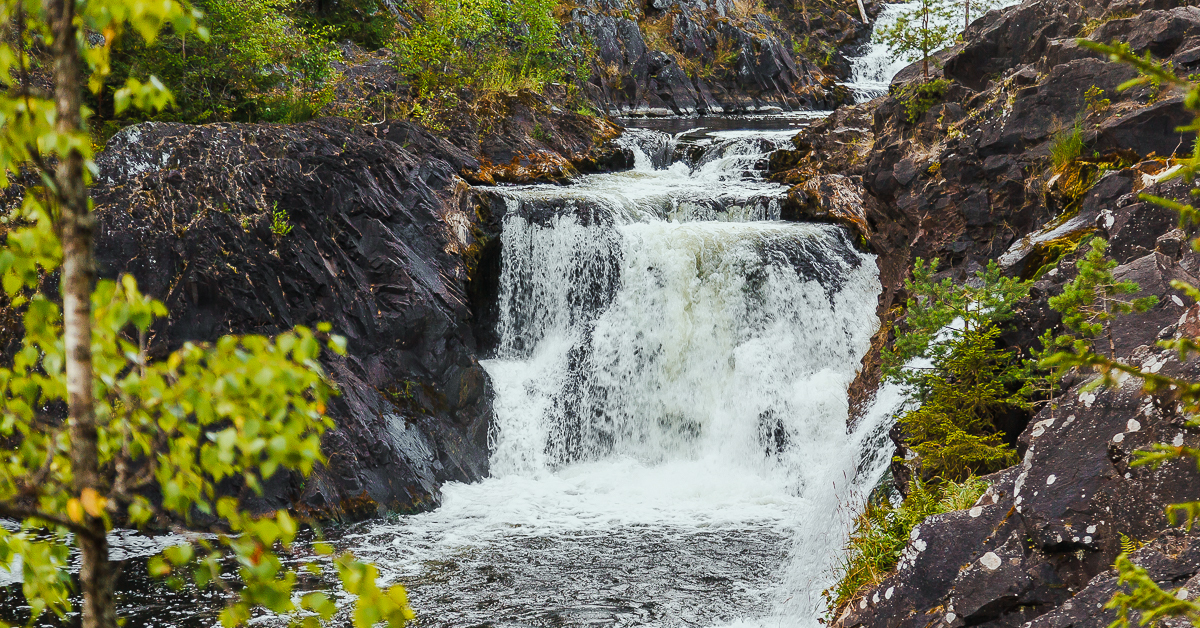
258,65
93,433
280,225
946,356
920,97
467,43
921,30
1095,101
882,531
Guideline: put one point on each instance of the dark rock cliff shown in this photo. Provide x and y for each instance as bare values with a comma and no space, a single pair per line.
971,180
384,239
685,57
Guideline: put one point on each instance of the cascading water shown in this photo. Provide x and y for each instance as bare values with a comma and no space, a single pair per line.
871,73
671,445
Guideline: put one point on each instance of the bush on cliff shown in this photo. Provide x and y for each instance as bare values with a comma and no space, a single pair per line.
882,531
258,64
958,381
482,44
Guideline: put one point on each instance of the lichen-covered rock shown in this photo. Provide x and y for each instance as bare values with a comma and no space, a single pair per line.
257,228
971,180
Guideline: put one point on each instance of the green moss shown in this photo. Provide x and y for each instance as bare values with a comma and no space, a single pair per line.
1046,254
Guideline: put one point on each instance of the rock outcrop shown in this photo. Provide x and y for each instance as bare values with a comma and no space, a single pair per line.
982,175
682,57
257,228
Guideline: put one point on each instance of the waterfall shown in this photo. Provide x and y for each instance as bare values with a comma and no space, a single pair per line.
871,73
671,443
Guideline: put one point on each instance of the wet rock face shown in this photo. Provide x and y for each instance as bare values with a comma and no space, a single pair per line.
381,245
693,56
971,180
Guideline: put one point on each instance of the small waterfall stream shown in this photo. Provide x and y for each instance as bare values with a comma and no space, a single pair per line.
871,73
671,445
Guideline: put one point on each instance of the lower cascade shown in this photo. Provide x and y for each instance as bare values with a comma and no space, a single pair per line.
671,443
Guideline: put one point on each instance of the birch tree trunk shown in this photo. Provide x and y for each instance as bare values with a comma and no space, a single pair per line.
78,272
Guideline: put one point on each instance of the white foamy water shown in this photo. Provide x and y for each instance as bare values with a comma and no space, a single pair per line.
871,73
671,445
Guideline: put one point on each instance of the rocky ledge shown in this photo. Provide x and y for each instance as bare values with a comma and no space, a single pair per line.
255,228
970,180
686,57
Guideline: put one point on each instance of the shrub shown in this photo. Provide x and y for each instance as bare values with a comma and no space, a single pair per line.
953,431
459,43
258,65
1095,100
280,225
882,531
918,98
957,380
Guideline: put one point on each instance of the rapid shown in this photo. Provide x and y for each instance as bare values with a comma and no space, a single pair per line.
671,444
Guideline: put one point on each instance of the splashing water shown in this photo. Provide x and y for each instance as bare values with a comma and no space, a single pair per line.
871,73
671,445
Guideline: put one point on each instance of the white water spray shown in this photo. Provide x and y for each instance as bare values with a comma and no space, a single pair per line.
871,73
671,444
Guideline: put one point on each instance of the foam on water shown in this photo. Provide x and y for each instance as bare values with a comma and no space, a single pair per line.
671,445
871,73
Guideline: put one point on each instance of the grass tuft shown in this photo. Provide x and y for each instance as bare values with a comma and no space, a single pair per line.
882,531
1066,145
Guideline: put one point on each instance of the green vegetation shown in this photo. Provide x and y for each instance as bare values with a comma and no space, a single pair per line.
816,50
1096,23
1066,145
960,380
1095,101
280,60
483,44
259,63
94,432
1093,299
539,133
279,221
922,29
882,531
920,97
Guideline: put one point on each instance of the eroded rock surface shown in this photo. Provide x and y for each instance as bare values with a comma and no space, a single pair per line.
971,180
682,57
381,244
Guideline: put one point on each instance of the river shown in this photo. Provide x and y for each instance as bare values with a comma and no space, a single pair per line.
671,444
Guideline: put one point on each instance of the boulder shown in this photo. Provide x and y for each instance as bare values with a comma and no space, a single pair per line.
1150,130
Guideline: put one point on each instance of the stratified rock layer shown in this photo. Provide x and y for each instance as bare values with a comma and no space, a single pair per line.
380,245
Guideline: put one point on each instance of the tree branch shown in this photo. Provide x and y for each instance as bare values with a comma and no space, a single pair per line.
13,511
